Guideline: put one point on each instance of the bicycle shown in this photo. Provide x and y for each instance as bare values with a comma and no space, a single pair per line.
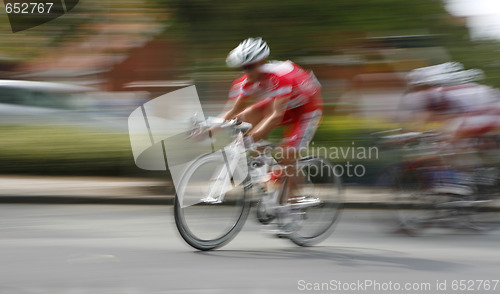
429,190
217,189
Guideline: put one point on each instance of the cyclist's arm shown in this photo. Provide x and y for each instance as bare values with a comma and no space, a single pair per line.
234,108
272,121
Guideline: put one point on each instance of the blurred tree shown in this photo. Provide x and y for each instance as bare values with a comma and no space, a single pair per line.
304,27
297,26
481,54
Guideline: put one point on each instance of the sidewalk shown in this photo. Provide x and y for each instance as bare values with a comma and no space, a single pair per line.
101,190
84,190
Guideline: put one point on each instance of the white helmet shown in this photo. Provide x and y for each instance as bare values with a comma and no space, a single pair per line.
433,75
249,51
445,74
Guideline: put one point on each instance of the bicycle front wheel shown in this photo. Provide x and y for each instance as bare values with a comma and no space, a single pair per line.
211,206
317,179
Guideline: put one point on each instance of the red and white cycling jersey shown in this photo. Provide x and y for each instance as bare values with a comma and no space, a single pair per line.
285,79
476,107
281,79
461,99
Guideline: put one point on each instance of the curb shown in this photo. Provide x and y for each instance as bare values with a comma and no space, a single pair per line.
41,199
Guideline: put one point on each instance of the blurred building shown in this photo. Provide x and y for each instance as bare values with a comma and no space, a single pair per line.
7,67
126,49
109,56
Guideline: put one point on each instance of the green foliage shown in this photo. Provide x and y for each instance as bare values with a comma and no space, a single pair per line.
70,151
296,26
337,134
481,54
64,151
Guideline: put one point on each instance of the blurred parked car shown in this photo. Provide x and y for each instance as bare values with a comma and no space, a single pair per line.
24,102
30,102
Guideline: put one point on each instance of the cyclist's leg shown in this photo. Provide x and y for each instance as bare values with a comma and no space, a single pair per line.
297,139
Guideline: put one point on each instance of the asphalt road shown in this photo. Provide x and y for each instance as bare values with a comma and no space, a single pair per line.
136,249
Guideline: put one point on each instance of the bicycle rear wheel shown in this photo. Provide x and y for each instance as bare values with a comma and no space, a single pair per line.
318,179
204,222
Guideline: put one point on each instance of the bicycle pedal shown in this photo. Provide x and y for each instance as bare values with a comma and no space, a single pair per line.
210,200
305,202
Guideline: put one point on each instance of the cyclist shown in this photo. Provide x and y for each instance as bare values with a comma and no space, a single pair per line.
449,95
272,94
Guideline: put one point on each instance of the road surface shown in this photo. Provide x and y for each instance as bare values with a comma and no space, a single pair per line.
136,249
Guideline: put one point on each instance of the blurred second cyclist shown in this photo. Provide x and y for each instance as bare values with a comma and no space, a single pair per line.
448,94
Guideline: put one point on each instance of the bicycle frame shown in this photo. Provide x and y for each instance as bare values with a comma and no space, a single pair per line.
224,178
